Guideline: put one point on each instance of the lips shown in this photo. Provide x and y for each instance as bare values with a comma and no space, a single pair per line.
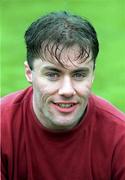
65,107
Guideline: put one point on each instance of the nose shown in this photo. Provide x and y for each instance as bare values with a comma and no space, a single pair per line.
66,88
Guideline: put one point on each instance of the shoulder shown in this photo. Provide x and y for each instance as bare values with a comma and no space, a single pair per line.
107,110
109,134
13,105
13,109
15,98
108,118
109,122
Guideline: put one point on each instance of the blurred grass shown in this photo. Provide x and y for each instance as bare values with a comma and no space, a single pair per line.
108,18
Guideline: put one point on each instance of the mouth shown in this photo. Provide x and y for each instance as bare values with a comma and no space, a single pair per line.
65,107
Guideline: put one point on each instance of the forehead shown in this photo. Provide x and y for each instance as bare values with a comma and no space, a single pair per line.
68,58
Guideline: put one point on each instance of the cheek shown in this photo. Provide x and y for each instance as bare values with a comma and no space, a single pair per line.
44,88
84,89
44,85
48,88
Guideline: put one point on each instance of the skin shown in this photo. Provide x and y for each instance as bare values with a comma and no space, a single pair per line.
53,83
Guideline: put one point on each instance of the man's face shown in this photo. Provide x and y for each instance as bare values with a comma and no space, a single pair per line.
60,95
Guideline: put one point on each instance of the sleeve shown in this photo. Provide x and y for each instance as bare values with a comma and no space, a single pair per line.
118,160
3,172
3,162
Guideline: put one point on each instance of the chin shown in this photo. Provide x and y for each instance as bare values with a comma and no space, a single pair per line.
65,124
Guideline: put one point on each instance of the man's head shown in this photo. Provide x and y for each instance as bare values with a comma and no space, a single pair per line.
61,54
58,31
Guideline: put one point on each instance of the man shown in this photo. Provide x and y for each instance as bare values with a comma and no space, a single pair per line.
57,129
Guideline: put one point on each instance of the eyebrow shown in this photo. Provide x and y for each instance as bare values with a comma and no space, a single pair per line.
82,69
51,69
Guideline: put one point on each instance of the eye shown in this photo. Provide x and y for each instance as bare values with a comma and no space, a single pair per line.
79,76
53,76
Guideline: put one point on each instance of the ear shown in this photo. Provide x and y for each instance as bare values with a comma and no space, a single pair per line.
93,76
28,72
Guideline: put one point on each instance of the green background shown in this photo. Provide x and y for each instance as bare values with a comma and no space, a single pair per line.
108,18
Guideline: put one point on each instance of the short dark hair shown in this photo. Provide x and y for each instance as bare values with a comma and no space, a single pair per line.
60,28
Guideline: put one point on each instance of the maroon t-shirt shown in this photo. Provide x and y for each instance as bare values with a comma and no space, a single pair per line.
93,150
